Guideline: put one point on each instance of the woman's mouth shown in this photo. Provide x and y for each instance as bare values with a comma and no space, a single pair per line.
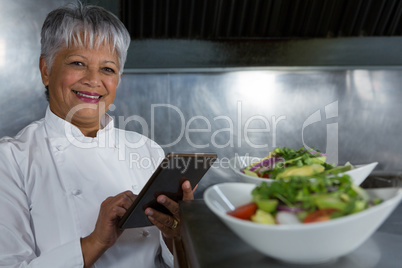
88,96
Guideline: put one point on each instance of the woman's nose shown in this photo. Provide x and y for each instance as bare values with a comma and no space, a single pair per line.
91,78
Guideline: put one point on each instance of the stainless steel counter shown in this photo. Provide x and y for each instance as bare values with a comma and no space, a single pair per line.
207,242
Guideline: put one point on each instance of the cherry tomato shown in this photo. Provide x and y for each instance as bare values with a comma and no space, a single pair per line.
320,215
244,211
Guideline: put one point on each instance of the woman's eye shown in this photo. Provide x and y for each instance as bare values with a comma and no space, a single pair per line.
109,70
78,63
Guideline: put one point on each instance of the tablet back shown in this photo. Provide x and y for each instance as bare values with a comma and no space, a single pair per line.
167,179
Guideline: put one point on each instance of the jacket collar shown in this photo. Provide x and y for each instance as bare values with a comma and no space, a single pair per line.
64,133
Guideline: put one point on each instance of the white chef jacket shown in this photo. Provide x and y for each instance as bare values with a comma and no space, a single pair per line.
52,182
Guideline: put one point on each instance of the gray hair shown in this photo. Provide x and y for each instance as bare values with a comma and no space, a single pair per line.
83,25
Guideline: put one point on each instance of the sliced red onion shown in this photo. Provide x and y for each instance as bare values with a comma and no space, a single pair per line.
269,162
289,209
263,169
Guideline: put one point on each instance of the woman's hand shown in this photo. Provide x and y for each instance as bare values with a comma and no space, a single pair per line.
106,230
169,225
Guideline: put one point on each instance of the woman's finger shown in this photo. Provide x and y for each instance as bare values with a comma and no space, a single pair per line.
117,211
168,225
116,206
130,195
171,205
187,191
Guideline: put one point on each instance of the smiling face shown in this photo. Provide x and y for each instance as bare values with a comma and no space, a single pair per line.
82,85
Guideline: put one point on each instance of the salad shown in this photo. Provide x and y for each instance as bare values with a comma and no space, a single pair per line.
285,162
301,199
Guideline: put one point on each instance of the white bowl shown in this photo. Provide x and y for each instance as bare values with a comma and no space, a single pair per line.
304,243
358,174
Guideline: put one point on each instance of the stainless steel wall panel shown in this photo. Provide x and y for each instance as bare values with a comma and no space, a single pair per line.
356,111
22,97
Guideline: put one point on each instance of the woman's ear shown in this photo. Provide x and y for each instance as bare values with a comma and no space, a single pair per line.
44,72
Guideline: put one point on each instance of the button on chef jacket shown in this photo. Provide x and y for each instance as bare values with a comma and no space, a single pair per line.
52,182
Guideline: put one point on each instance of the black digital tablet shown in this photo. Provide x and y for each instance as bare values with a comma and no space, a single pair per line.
167,179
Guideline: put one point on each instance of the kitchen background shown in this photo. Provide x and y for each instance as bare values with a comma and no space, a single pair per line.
327,77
